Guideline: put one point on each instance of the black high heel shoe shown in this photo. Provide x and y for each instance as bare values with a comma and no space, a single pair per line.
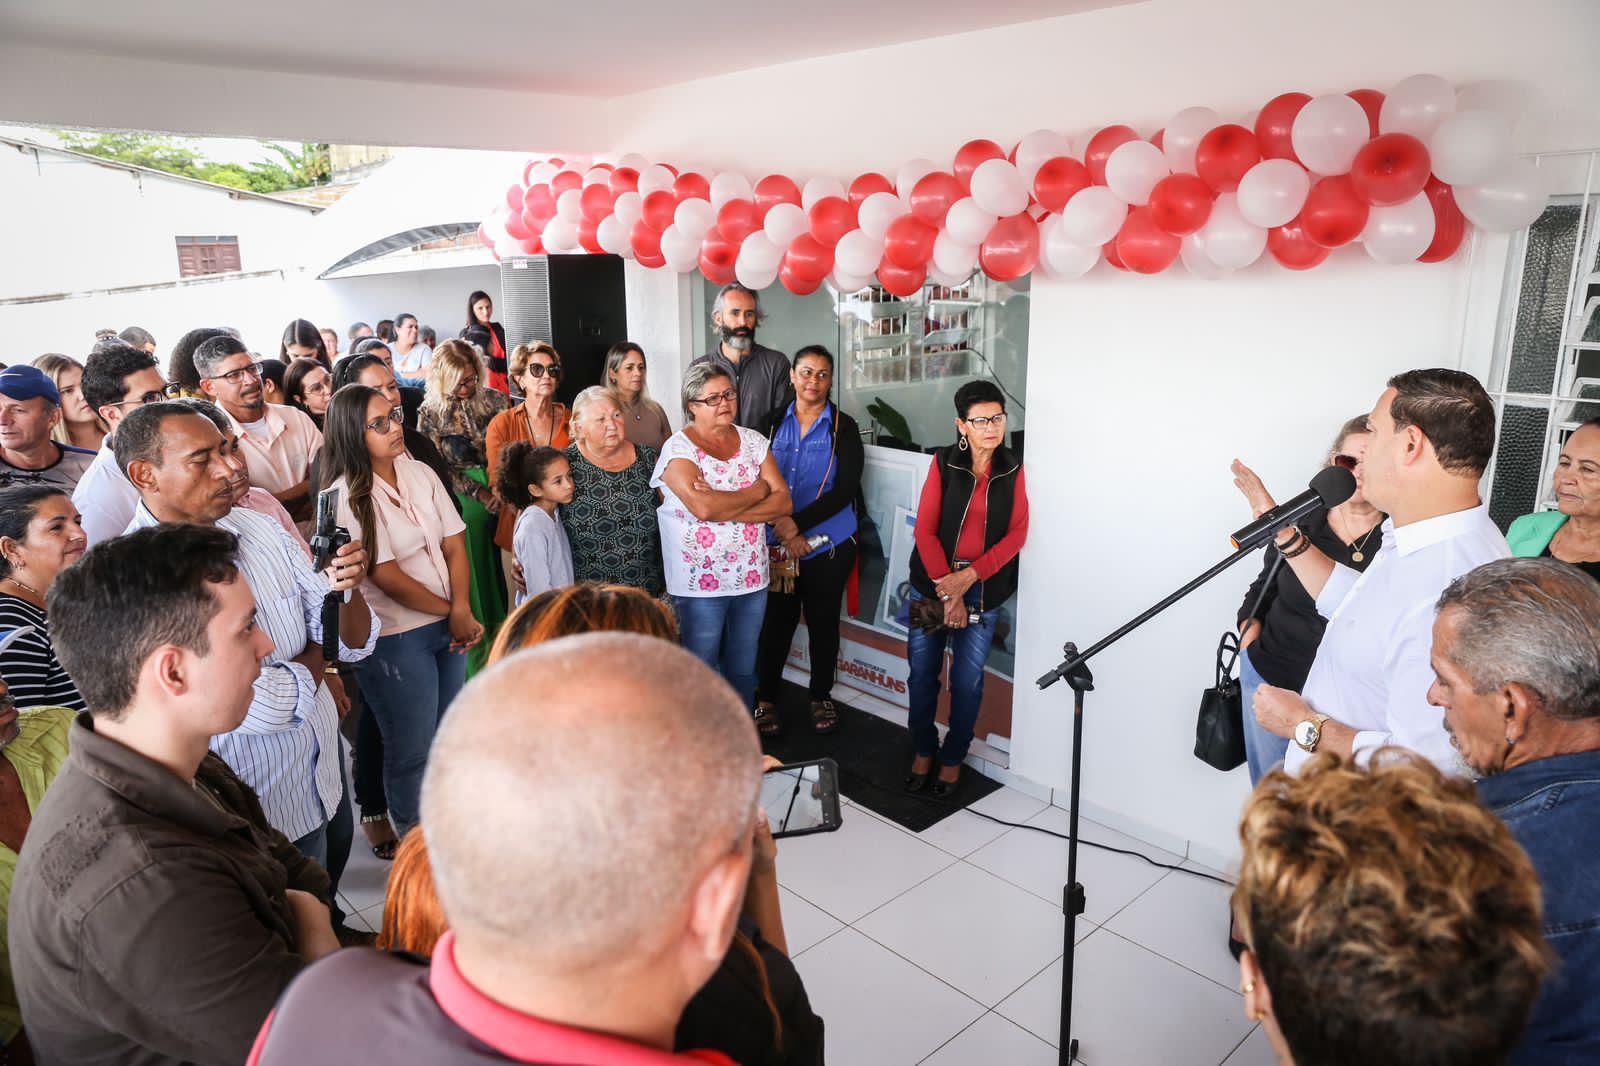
943,789
916,782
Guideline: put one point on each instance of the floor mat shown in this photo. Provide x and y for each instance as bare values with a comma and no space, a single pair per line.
873,756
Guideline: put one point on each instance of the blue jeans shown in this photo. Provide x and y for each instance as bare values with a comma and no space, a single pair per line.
969,651
724,632
408,681
1262,750
328,845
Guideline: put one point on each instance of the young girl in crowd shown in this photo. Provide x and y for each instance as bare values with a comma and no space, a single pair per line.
537,481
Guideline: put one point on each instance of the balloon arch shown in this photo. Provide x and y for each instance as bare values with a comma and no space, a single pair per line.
1401,174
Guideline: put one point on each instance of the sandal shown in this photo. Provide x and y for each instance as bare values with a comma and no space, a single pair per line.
824,716
383,849
768,724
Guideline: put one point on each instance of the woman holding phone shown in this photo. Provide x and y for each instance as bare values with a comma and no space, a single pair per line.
418,584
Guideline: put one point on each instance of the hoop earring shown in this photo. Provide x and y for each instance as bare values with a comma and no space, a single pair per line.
961,443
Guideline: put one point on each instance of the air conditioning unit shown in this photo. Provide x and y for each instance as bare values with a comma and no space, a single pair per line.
576,303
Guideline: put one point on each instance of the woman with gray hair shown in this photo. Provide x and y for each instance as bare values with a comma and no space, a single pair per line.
720,486
1516,658
611,521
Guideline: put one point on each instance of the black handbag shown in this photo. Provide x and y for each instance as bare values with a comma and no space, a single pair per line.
1219,728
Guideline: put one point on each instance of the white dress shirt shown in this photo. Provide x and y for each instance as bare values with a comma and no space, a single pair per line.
1372,669
287,748
105,497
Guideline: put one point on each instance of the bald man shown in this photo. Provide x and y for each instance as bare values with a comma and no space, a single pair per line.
630,798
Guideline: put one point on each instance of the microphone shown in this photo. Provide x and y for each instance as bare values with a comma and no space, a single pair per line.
1331,487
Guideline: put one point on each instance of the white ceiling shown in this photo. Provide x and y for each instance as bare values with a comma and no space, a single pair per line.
598,48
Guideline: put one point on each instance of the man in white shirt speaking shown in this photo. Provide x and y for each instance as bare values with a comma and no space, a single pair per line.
1433,432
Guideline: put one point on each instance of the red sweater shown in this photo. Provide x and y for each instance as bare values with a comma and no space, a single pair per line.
969,545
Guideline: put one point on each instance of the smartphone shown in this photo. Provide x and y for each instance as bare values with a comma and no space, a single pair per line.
802,798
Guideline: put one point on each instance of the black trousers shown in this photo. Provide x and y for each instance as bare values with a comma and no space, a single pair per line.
818,591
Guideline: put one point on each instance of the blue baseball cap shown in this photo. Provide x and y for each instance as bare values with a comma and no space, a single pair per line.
26,382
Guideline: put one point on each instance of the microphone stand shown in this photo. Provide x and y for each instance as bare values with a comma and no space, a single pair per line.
1074,669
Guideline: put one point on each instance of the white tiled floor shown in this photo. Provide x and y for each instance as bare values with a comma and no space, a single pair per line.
944,948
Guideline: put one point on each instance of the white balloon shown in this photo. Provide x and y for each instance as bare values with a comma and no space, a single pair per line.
654,179
1183,134
998,188
629,208
694,217
560,235
752,277
1193,254
1417,106
784,223
877,211
1092,217
911,172
633,161
1272,192
1328,132
681,251
1468,144
967,222
730,185
858,252
1037,148
760,252
612,235
1133,169
945,277
1229,239
541,173
596,176
1508,98
1512,196
1080,142
569,205
818,188
1065,259
848,283
953,256
1400,233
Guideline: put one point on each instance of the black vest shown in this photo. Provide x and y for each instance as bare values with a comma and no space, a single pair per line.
954,468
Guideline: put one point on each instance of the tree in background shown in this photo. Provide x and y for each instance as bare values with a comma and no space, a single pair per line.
302,166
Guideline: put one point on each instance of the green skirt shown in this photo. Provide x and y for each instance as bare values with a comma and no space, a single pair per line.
488,577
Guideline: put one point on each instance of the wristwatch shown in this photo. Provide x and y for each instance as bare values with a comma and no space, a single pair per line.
1308,734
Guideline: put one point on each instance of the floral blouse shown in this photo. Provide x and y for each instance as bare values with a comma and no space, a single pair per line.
712,558
459,429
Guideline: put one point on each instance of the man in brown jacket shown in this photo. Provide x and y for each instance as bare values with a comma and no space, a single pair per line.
155,915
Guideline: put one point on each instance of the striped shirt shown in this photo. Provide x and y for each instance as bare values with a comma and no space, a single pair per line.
29,664
287,749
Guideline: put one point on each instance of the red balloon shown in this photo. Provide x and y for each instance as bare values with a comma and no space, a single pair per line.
567,179
596,200
672,169
1159,137
867,184
968,156
623,179
588,232
533,246
909,242
1224,155
538,207
772,190
932,196
659,209
794,282
646,242
1180,204
652,261
527,171
1145,247
717,257
1293,248
831,218
1390,169
1449,224
1059,180
514,198
1371,101
1109,250
1101,145
518,228
900,280
1011,249
736,220
1334,215
810,258
1276,122
691,186
483,237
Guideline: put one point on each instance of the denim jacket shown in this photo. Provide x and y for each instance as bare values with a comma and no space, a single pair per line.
1553,808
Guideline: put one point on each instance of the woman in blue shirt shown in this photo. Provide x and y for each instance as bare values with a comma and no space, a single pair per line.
818,450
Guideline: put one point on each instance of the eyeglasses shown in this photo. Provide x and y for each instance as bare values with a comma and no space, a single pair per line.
805,373
396,417
984,423
167,392
234,377
1349,462
539,370
318,389
717,399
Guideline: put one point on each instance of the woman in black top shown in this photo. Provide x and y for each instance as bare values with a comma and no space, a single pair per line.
489,337
1280,633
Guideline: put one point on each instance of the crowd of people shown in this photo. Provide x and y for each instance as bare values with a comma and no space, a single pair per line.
176,812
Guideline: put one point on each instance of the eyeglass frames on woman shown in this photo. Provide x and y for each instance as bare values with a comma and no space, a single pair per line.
717,399
1349,462
234,377
984,423
168,392
539,370
396,417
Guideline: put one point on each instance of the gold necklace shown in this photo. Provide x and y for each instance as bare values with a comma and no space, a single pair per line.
26,588
1356,554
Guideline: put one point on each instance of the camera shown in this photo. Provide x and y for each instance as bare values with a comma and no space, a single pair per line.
326,540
